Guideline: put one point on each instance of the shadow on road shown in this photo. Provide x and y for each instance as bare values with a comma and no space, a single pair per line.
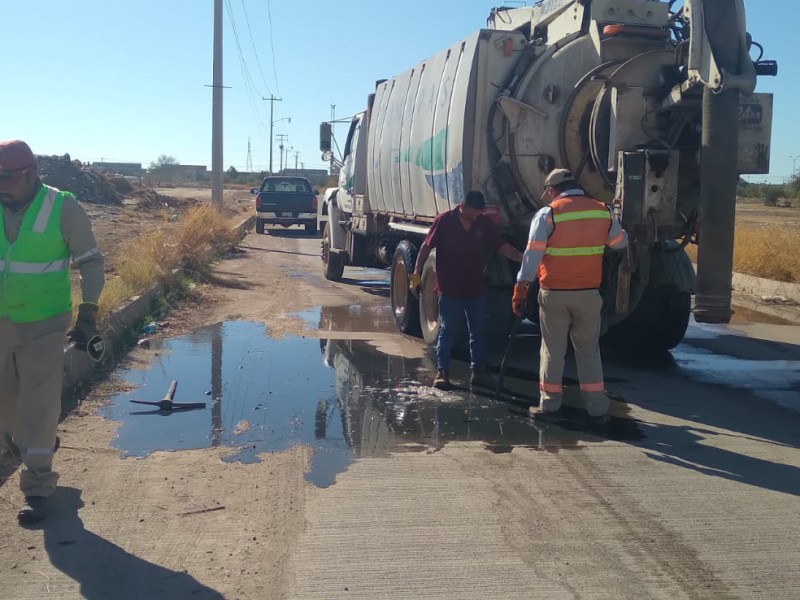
276,251
103,569
687,447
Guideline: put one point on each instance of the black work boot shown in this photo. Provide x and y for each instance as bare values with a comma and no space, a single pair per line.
599,423
546,416
33,511
442,381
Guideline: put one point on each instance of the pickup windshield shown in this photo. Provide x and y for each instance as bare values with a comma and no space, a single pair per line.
285,184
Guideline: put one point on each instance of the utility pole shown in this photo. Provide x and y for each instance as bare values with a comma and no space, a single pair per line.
249,165
333,121
296,157
216,110
272,100
282,137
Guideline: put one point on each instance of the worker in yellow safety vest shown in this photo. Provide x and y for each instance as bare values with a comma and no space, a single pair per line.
41,228
566,244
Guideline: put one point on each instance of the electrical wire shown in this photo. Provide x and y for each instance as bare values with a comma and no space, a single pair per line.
272,46
255,51
250,86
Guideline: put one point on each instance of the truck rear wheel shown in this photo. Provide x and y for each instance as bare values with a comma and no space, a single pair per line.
659,322
429,302
405,306
259,226
333,264
311,228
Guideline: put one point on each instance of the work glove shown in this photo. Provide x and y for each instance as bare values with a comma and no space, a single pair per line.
84,335
414,284
519,302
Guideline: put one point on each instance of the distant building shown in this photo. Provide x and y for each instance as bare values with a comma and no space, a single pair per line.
131,169
315,176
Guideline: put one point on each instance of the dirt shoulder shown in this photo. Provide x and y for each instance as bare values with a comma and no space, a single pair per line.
182,524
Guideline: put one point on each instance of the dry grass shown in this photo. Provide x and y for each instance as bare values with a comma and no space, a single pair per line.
769,251
201,236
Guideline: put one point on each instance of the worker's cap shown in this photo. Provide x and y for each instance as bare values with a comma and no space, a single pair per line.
15,159
558,176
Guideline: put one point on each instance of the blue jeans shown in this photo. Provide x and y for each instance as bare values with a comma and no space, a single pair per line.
452,311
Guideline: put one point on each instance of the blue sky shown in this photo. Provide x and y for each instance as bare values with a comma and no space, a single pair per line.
125,81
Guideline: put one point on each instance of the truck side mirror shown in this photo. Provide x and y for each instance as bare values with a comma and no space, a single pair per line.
254,190
325,137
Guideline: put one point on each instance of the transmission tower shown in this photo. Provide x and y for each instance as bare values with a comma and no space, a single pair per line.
249,166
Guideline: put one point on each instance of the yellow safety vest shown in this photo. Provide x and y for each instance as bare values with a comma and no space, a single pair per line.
35,268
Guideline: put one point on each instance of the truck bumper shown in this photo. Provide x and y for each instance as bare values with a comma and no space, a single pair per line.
272,218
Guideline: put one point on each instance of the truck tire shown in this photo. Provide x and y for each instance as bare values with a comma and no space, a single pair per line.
311,228
405,306
259,226
429,321
658,324
333,264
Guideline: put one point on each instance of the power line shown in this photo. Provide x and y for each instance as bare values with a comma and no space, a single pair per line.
255,51
249,85
272,46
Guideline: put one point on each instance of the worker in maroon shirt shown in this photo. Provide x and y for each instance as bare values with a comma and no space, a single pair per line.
463,238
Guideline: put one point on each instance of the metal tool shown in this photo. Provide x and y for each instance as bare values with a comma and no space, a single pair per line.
168,405
533,291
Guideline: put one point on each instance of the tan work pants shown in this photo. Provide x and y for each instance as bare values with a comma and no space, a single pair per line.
31,374
575,316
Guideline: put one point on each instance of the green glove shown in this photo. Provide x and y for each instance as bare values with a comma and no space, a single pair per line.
85,326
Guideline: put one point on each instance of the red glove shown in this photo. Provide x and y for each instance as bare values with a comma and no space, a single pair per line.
519,302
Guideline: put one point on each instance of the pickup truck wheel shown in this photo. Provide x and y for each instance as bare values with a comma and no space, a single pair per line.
333,263
429,303
259,225
405,306
311,228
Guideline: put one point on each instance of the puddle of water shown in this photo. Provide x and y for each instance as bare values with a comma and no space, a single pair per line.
743,315
262,395
344,399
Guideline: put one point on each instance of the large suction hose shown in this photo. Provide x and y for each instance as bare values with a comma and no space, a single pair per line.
719,175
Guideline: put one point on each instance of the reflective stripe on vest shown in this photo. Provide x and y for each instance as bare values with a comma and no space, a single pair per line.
35,268
573,259
587,251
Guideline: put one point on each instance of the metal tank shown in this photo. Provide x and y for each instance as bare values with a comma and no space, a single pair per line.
651,104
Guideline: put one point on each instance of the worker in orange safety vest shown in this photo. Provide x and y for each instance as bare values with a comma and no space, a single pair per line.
566,244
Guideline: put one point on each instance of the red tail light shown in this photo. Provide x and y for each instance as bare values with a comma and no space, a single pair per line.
314,202
258,201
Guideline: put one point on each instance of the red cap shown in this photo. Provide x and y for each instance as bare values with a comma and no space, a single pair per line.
15,157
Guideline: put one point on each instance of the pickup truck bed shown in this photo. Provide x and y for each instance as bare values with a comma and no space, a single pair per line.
286,201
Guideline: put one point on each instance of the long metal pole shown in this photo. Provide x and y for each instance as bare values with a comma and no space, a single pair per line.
271,107
272,100
216,119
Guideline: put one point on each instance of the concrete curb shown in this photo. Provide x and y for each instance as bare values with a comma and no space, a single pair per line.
767,289
77,365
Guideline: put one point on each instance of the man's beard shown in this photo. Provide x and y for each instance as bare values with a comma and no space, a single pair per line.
8,200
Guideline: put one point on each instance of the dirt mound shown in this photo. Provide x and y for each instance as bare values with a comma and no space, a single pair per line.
152,199
88,185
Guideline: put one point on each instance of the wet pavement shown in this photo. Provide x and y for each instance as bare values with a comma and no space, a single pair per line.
345,398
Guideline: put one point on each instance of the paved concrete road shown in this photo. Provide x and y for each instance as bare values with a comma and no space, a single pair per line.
692,493
694,496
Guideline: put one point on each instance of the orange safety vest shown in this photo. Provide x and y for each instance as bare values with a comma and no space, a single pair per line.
573,259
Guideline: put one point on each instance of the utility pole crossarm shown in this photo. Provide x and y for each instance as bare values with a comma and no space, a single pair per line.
272,100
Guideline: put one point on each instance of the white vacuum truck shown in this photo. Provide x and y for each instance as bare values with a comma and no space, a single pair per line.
652,106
